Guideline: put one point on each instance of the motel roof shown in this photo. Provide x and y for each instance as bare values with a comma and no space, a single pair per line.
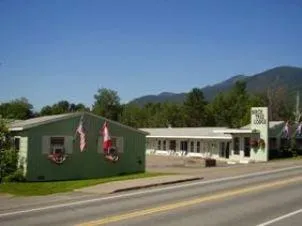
186,133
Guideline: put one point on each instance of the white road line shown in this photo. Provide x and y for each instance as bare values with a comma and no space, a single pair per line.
173,187
280,218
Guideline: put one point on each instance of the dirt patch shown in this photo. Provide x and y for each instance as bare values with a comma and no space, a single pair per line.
176,164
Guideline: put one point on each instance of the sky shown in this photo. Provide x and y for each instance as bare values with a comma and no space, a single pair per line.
54,50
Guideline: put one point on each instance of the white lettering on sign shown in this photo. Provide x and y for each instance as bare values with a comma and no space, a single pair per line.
259,117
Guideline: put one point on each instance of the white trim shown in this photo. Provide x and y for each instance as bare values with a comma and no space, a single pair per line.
281,218
234,131
191,137
16,129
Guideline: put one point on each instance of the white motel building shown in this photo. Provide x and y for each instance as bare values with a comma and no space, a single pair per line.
256,142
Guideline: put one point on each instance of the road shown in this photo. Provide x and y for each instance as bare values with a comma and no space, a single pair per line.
265,199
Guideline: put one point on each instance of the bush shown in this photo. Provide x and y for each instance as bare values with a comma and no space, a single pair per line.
8,162
16,176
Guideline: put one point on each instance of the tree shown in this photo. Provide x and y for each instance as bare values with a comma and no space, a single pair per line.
46,110
279,106
16,109
4,136
62,107
107,104
132,115
194,108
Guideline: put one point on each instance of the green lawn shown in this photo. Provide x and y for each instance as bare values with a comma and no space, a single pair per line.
46,188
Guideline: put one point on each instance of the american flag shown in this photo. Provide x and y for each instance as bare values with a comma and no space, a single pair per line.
286,130
81,131
299,129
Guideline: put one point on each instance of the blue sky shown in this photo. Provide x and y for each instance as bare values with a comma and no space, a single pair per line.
52,50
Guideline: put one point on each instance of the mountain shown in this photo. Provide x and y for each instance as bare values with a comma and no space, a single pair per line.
285,76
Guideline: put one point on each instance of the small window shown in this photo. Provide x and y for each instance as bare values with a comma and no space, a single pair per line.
236,145
273,143
159,145
57,144
164,145
198,146
118,143
192,146
17,143
247,147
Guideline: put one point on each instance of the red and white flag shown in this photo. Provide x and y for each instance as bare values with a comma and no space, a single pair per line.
106,137
81,131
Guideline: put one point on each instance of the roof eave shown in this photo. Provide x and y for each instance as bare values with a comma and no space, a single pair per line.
231,131
15,129
191,137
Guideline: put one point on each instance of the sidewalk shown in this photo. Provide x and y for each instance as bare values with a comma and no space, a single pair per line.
119,186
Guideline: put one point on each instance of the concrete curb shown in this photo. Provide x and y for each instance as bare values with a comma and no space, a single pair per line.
156,184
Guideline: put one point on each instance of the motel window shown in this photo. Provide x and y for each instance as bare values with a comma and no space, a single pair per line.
273,143
164,145
247,147
192,146
298,143
172,145
284,144
236,145
159,145
198,146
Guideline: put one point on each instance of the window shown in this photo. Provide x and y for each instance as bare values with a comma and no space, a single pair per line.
117,142
247,147
192,146
17,143
57,144
184,145
273,143
164,145
172,145
198,146
159,145
284,144
236,145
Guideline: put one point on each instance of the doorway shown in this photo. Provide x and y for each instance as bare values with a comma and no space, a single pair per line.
172,145
227,150
184,146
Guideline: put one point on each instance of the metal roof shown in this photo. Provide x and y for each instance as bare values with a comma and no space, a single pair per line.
30,123
186,132
33,122
272,124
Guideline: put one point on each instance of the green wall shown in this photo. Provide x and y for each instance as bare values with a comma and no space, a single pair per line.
86,164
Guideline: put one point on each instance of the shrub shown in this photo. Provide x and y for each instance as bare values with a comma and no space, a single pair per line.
16,176
8,162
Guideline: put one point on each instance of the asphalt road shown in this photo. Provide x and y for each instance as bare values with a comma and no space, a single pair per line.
269,199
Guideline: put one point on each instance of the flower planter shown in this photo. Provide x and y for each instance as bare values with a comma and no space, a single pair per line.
210,162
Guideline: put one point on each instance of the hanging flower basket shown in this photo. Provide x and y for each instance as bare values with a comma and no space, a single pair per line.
254,143
262,144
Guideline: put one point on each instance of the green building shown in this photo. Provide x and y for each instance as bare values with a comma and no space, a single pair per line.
49,147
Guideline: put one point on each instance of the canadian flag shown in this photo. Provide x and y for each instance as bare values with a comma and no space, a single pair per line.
106,138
